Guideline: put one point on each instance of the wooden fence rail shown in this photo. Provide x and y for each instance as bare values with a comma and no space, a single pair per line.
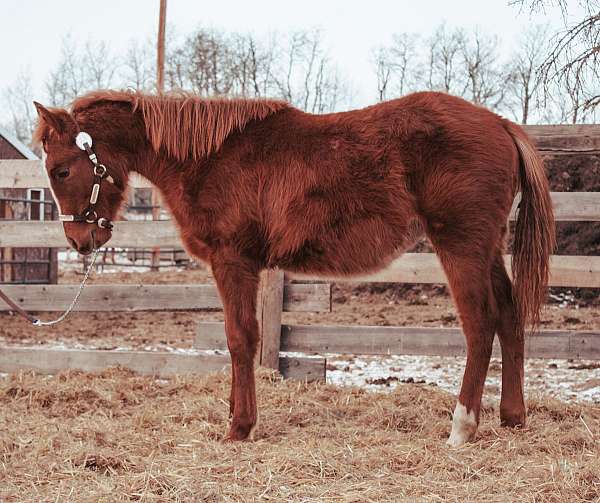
297,297
565,270
374,340
157,363
25,174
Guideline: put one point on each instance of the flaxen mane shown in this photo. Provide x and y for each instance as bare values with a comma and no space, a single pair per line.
185,125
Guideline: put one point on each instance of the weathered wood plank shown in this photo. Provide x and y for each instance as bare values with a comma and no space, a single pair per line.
270,307
51,361
572,130
307,297
566,139
582,344
571,206
576,206
211,335
113,297
369,340
550,344
163,364
303,369
583,272
565,270
584,144
365,340
297,297
26,174
142,234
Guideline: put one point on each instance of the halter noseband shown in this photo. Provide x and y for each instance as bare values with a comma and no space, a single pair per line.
90,216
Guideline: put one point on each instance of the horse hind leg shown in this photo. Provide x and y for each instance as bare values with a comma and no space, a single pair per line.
469,277
512,342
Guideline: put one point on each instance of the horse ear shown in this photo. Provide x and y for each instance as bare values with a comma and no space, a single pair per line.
52,119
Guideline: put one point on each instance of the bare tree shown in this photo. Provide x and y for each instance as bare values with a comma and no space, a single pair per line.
210,63
573,60
253,65
18,99
78,71
295,68
139,66
444,61
451,60
398,66
525,82
383,68
565,104
100,65
306,76
213,63
485,78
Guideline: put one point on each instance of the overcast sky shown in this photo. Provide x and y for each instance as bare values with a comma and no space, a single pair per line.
31,31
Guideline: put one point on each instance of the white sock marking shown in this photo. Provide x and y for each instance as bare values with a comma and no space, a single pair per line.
464,426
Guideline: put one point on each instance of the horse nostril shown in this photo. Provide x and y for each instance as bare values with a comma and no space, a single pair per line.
72,243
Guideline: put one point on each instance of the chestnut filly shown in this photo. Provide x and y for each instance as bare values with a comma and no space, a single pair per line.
255,184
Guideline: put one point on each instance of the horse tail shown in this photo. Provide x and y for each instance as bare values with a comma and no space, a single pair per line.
534,236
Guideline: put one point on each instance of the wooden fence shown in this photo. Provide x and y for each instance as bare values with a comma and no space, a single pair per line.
277,294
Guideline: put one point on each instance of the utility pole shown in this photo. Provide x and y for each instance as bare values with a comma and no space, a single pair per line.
160,60
160,88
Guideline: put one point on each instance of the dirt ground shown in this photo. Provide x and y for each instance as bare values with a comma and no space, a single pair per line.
352,305
114,436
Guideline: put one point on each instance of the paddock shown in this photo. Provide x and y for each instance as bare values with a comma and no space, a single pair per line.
88,410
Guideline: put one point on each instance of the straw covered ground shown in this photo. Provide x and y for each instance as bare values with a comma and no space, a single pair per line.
115,436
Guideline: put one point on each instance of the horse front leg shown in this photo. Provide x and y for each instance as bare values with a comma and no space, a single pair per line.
237,280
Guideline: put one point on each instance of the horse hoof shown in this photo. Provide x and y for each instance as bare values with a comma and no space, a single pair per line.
240,433
456,441
512,419
464,426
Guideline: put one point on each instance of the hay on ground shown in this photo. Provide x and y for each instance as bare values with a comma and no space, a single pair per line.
116,436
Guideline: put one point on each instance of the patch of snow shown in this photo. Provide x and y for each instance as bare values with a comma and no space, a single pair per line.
563,379
549,377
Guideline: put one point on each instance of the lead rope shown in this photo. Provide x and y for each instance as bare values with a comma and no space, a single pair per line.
40,323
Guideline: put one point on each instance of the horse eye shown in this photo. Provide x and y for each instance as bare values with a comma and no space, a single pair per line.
61,173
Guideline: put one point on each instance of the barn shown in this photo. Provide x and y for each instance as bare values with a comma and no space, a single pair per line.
25,265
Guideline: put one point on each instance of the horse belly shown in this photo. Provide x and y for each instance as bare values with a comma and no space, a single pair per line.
364,248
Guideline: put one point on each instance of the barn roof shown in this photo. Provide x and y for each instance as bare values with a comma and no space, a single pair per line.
20,146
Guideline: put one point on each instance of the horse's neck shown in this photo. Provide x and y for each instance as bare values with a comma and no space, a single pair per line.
163,173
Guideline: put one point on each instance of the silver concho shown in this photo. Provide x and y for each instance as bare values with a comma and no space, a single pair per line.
82,138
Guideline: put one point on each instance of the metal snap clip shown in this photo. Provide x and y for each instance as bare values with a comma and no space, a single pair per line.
104,223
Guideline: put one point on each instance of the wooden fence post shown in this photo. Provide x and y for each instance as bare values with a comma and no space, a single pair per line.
8,252
155,260
270,307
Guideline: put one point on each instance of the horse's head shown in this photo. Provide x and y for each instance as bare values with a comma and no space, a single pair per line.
87,187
